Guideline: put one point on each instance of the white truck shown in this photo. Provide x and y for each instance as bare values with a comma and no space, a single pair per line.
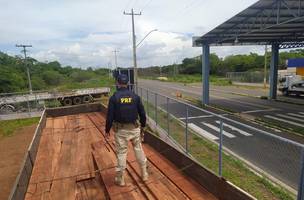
67,98
291,84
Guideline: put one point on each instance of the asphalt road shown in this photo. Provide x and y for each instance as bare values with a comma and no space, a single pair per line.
275,157
227,97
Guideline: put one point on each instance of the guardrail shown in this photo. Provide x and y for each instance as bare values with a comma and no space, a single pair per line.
222,143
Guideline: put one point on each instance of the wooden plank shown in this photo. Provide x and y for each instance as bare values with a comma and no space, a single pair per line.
45,163
157,184
64,167
160,186
90,190
84,163
64,187
106,160
192,189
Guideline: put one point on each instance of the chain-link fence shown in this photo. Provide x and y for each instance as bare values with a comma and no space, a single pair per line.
247,77
244,154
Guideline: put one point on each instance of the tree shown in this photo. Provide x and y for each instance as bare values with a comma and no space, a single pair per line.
10,82
81,76
52,78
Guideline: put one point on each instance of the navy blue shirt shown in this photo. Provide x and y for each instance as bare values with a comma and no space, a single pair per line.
125,107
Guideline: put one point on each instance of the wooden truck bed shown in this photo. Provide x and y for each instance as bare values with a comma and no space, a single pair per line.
75,162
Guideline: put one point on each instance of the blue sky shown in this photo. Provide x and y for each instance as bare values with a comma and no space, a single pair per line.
84,33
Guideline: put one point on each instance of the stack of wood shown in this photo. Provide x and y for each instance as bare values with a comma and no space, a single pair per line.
74,161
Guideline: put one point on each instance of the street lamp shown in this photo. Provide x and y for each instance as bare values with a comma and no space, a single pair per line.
135,65
145,37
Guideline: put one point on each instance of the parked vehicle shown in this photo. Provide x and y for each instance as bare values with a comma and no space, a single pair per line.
75,97
291,84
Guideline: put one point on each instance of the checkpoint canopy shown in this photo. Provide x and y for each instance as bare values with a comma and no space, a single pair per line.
279,23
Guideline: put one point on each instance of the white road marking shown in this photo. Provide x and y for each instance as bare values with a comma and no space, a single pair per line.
235,129
289,117
202,132
196,117
255,111
229,135
283,120
296,115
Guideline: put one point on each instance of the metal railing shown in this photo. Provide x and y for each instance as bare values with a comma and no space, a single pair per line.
225,145
247,77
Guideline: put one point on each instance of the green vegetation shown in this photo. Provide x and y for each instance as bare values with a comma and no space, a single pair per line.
7,128
206,152
193,78
279,125
47,76
218,66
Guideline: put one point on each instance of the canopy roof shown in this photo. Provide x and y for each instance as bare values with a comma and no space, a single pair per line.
265,22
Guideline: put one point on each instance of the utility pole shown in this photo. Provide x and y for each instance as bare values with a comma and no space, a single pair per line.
26,65
109,66
115,53
265,68
134,44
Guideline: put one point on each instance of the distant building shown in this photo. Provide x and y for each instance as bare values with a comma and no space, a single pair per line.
297,65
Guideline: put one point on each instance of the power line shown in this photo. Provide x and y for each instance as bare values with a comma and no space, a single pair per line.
134,42
148,2
26,65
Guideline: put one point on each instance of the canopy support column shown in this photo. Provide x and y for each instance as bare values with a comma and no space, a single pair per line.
274,71
205,73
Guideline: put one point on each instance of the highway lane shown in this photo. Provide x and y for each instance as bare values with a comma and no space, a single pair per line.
226,98
273,156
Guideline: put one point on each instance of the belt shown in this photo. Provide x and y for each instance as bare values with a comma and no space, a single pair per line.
127,125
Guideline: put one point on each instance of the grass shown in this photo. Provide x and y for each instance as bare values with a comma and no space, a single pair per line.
282,126
206,152
8,127
195,78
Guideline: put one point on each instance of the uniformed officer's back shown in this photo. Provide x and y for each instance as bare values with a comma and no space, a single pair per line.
127,106
123,109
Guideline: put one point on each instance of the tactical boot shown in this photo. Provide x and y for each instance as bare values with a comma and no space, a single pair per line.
119,179
144,173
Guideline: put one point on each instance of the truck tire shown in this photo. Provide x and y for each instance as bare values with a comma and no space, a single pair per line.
67,102
7,109
77,100
86,99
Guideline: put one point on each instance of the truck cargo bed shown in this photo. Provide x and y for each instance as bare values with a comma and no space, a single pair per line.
69,158
75,162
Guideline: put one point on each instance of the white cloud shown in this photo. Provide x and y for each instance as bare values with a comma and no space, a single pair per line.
84,33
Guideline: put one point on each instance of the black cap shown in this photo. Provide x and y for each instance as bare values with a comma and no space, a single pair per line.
122,79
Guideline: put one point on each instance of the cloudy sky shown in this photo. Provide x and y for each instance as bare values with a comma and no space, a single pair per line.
85,33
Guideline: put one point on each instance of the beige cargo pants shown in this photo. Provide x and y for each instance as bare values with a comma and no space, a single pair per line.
122,136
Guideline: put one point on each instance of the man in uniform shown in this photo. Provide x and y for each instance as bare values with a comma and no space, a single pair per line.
123,110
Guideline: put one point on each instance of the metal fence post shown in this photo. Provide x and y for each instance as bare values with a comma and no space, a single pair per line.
186,136
168,117
28,105
147,102
221,148
141,92
301,183
156,108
